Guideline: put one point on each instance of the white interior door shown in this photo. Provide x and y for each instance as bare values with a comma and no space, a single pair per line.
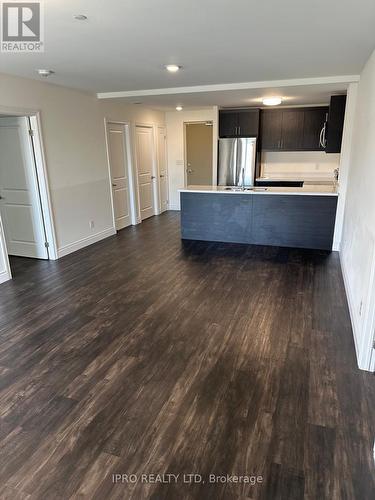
118,161
145,168
20,204
162,165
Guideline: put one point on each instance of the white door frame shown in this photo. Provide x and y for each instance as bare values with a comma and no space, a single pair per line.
214,166
41,172
129,161
155,185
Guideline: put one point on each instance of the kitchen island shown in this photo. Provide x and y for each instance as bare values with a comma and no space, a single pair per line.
302,217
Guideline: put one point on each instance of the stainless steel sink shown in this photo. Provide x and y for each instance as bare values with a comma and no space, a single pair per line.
239,189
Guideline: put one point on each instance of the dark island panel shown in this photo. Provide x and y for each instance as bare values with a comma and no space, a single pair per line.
294,221
303,221
216,217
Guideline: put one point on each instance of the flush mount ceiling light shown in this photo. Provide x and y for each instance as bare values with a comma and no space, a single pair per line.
272,101
172,68
178,108
80,17
45,72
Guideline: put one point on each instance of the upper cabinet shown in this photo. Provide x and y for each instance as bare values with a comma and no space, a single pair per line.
335,124
270,129
313,127
293,129
239,123
316,128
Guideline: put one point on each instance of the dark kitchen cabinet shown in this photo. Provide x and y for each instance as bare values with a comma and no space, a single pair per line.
228,123
335,124
292,129
270,130
314,120
239,123
248,123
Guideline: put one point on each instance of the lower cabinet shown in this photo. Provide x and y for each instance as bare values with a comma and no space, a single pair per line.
300,221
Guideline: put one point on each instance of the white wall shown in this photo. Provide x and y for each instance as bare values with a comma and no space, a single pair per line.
358,236
345,161
175,144
74,142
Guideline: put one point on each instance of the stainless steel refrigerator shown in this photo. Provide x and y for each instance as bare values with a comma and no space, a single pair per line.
237,160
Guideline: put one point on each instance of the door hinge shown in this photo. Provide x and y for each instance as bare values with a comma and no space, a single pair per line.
31,133
46,244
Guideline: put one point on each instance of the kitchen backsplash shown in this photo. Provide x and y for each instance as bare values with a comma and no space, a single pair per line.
299,165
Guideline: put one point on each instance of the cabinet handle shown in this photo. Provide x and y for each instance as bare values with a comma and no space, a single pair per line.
239,130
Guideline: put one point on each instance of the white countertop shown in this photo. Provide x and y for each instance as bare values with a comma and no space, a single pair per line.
307,189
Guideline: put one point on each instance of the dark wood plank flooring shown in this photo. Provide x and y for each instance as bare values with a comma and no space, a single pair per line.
144,355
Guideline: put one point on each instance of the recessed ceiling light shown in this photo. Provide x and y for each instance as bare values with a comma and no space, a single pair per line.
172,68
80,17
45,72
179,108
272,101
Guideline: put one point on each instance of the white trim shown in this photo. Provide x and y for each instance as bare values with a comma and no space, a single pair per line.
366,351
84,242
363,339
174,207
231,86
7,273
45,195
350,301
5,276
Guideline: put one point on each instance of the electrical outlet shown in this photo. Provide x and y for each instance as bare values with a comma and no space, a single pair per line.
92,224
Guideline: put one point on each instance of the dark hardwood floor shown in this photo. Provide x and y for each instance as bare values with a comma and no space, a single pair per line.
144,355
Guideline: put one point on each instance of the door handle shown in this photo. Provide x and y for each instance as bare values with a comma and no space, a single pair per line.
114,185
162,176
153,177
189,170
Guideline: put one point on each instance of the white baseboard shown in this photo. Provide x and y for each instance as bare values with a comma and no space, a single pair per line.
4,276
336,246
174,207
349,297
85,242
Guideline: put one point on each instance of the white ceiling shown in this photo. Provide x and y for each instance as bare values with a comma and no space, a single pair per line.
292,96
124,43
